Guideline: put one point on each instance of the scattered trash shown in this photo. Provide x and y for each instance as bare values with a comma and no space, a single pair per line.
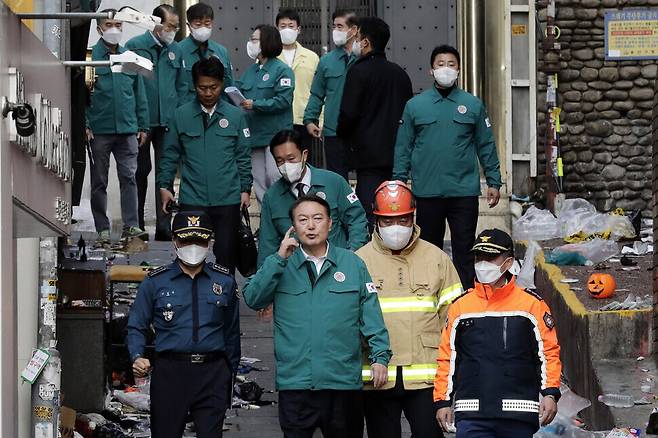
569,280
630,303
600,285
596,250
639,248
561,258
631,268
639,358
135,399
616,400
536,224
643,401
526,276
623,433
578,220
627,261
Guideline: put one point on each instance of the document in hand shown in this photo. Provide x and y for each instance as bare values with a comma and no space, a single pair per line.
235,95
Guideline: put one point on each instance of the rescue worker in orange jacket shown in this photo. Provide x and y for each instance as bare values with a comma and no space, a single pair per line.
416,281
499,350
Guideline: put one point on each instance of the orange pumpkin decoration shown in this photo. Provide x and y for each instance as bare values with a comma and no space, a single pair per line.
601,285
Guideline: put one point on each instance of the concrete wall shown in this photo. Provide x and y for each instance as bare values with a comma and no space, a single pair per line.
607,111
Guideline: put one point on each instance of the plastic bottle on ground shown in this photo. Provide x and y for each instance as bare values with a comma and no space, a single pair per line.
616,400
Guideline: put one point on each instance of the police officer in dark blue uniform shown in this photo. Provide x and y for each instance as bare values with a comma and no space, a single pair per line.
193,307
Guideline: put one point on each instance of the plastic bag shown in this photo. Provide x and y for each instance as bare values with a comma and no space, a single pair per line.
566,258
536,224
621,227
573,215
137,400
526,277
596,250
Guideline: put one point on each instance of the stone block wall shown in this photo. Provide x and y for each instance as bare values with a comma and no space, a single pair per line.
607,110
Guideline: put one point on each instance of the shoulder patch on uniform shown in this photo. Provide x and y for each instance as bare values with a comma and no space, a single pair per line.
372,289
352,198
238,293
534,294
220,268
156,271
246,132
548,320
286,82
487,122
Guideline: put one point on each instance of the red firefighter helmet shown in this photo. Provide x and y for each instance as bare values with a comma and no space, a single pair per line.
394,198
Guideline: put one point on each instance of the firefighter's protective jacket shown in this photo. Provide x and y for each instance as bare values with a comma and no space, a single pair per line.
498,351
415,289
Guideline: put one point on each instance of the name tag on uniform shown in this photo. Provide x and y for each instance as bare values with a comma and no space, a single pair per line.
286,82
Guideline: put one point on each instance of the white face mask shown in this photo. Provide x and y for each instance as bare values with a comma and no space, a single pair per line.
112,36
487,272
356,48
167,37
192,255
339,37
253,49
396,237
445,76
288,36
292,172
201,34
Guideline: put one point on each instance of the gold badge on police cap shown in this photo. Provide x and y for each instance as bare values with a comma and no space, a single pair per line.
217,288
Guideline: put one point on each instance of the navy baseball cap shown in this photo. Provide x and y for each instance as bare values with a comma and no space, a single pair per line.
191,225
493,242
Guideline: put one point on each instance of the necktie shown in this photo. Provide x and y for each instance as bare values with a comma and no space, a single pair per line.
301,189
206,119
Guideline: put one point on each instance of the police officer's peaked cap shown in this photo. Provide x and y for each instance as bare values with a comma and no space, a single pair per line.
191,225
493,242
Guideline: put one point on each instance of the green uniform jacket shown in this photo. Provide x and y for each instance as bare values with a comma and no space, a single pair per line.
168,82
271,88
349,229
118,103
327,90
215,162
441,140
190,54
318,326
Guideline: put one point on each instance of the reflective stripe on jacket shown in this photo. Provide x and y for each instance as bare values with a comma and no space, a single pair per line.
415,289
498,351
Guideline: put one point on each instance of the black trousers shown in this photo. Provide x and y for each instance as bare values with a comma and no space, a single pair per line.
144,167
225,224
335,153
180,387
338,414
383,410
367,181
462,216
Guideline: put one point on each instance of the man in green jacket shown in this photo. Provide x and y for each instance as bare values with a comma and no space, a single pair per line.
198,45
325,303
162,94
350,228
209,139
117,123
327,91
443,134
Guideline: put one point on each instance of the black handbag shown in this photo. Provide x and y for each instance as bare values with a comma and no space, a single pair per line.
247,252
